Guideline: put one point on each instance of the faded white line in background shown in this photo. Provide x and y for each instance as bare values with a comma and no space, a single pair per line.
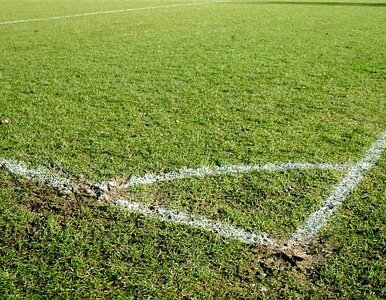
310,228
106,12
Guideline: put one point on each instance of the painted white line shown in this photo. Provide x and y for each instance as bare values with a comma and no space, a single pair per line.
318,219
106,12
225,170
219,228
51,179
304,234
39,174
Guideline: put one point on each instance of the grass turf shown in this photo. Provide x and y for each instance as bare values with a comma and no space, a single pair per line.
77,248
137,92
273,203
155,90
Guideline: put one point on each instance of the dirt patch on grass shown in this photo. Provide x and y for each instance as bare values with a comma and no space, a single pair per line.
302,263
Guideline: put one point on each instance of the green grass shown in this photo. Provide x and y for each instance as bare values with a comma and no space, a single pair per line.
52,248
245,82
128,93
274,203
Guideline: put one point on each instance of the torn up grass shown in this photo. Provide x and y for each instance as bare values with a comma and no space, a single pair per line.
55,247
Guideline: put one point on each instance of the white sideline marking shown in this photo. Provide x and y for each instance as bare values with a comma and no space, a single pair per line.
107,12
318,219
212,171
219,228
39,174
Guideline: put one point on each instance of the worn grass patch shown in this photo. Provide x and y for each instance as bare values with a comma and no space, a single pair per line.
68,247
55,247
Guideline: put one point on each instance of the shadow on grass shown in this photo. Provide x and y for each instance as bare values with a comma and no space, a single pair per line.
310,3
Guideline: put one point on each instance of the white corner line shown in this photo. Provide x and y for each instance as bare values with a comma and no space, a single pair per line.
107,12
184,173
307,231
317,220
39,174
216,227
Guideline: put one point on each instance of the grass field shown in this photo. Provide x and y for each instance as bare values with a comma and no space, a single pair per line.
104,91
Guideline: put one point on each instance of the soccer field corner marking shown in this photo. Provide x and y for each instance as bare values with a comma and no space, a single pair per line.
63,184
303,235
317,220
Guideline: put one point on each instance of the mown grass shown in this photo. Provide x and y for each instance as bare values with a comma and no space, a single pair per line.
26,9
151,91
273,203
78,248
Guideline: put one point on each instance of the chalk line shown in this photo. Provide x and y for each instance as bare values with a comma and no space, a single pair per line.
226,170
217,227
304,234
106,12
310,228
39,174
